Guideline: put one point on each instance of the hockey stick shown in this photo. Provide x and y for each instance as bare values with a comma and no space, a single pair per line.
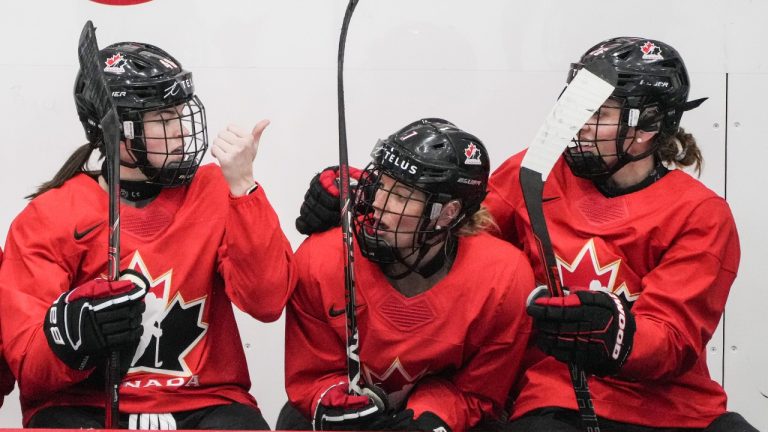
583,96
353,338
97,91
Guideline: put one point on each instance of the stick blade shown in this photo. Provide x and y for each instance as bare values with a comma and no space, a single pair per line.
583,96
96,88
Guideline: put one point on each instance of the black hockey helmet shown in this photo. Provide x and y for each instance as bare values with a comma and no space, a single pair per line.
143,78
432,156
652,92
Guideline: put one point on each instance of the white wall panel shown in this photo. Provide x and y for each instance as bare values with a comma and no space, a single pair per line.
746,349
494,67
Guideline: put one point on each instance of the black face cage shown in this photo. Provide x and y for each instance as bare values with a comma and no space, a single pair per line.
395,224
183,132
584,155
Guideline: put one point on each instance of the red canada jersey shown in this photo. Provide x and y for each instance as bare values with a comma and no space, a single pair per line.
671,250
453,350
200,249
6,377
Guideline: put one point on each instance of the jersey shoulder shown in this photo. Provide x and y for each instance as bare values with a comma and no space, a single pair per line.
209,181
679,196
80,190
685,187
327,243
320,256
491,261
319,264
488,249
79,200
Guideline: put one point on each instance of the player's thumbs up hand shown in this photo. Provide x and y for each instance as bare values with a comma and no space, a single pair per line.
235,149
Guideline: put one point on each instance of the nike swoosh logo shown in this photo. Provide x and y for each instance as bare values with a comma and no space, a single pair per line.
333,313
80,234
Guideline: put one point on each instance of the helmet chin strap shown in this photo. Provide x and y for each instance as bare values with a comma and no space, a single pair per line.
132,190
431,239
443,259
624,157
656,174
126,164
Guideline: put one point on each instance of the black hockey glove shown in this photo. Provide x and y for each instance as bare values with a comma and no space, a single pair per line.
338,410
320,209
593,329
84,324
404,421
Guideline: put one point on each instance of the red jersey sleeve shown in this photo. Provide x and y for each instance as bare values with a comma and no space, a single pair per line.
6,380
315,357
6,377
32,276
483,383
255,258
684,296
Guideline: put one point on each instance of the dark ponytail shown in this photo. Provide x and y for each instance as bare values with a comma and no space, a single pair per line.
680,150
77,163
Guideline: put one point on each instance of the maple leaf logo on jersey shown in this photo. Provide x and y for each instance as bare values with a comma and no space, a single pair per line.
473,154
171,328
396,381
651,51
586,271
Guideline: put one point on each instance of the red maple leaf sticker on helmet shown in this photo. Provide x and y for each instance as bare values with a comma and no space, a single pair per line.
648,47
114,59
470,150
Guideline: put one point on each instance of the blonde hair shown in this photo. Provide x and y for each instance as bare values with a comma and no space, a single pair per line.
680,150
480,221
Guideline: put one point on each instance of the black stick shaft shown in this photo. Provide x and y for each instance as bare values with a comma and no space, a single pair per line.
113,256
532,185
353,345
98,93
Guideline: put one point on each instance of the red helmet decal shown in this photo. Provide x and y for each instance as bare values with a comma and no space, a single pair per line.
114,59
115,64
651,51
473,154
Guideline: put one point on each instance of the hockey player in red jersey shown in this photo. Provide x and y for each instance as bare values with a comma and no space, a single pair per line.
648,253
440,302
203,239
